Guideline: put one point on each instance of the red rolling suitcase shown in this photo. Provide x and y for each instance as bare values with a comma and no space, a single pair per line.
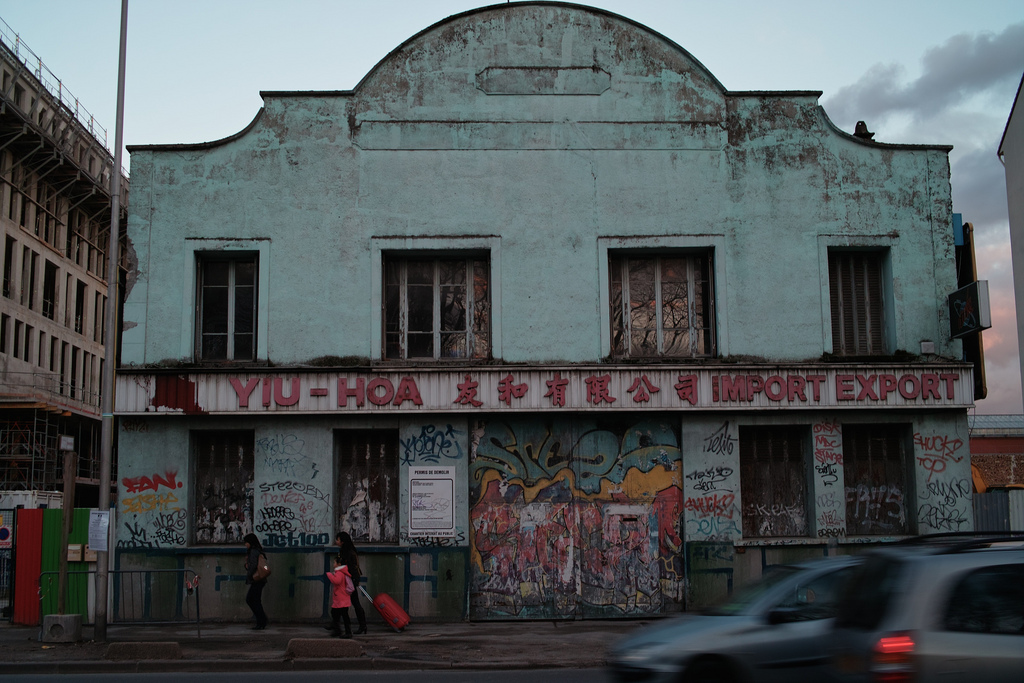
389,610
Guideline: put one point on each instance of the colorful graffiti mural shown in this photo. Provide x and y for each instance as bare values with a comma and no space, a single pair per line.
575,518
153,510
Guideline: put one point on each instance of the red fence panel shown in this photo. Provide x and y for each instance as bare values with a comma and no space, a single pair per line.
28,546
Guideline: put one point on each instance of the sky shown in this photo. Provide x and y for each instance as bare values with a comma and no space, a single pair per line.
917,71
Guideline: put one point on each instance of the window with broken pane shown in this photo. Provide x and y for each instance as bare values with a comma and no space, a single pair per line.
436,308
662,305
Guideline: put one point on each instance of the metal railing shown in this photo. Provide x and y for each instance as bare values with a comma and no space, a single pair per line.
50,384
145,597
49,81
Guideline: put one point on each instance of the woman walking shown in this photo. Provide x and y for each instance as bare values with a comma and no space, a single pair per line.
254,598
347,553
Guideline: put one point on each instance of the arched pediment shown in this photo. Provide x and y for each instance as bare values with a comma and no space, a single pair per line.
538,62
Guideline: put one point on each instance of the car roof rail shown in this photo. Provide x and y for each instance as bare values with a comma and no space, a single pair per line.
960,541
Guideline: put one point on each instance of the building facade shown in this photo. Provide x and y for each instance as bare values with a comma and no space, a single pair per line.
1011,154
55,211
550,321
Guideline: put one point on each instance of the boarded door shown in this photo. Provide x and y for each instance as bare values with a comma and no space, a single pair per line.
574,519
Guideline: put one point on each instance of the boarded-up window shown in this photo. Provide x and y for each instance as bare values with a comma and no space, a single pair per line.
662,305
773,481
874,466
223,486
367,498
855,291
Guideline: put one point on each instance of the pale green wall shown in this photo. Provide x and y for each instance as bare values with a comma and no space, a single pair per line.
419,156
663,153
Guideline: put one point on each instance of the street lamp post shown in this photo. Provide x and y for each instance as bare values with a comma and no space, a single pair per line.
110,343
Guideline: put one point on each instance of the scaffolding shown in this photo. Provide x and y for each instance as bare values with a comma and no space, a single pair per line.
30,455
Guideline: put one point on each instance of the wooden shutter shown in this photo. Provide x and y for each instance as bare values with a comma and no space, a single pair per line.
855,292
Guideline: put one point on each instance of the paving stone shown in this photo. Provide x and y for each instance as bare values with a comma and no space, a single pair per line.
146,650
323,647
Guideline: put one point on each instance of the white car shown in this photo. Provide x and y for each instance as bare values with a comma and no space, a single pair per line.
946,608
772,630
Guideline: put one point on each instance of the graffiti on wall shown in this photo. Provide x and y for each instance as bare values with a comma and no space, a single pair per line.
830,503
293,504
711,507
944,505
153,511
431,445
937,453
945,497
569,517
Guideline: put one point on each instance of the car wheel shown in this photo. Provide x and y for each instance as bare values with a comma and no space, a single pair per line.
709,671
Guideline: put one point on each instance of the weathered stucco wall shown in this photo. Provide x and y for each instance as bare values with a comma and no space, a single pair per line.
547,136
293,512
620,134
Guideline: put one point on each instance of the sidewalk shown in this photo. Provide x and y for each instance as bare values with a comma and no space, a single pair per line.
234,647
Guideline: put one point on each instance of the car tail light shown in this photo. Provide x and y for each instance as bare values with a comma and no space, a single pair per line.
892,658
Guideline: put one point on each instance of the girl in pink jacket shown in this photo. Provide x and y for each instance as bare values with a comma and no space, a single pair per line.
341,598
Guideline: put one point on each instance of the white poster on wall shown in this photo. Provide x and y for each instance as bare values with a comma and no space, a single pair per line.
431,502
99,529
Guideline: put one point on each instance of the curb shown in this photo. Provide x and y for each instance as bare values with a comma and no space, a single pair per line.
267,665
363,663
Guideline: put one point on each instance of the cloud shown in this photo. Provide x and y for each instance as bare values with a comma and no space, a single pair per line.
964,67
962,97
979,190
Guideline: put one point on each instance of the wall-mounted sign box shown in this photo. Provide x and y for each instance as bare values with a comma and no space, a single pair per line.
969,311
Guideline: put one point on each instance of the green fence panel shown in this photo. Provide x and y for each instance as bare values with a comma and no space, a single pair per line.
77,601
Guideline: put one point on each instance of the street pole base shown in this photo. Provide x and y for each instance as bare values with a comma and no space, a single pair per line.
62,628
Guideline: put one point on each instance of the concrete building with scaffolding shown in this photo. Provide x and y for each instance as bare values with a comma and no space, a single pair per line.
55,214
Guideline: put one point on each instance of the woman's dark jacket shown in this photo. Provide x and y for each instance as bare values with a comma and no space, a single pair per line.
252,560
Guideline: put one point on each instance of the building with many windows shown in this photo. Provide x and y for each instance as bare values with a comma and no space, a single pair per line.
55,211
553,323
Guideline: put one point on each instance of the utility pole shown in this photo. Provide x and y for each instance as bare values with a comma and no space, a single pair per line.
110,346
68,508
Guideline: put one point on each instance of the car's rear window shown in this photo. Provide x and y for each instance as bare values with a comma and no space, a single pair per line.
988,600
870,594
